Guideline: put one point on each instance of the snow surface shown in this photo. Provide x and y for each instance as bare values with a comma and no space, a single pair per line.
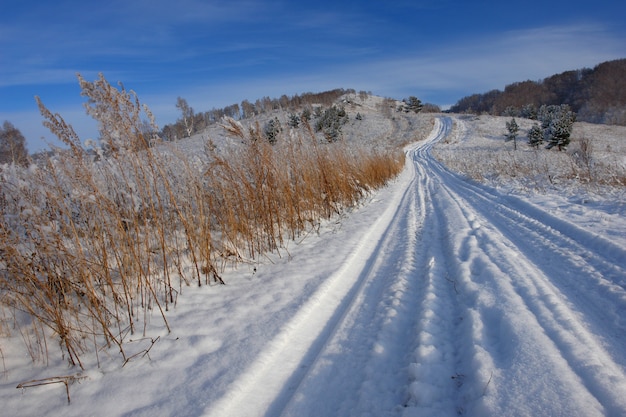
439,296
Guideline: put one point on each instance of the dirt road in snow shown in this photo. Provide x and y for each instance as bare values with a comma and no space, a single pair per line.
458,301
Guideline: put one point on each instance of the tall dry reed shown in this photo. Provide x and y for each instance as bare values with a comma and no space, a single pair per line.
92,243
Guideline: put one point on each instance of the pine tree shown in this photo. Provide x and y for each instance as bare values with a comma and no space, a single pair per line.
512,129
272,130
306,115
557,123
510,111
561,129
294,120
535,136
529,111
413,104
330,122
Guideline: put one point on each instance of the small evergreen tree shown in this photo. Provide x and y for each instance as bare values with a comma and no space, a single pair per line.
545,115
412,104
294,120
510,111
535,136
561,130
529,111
306,115
272,130
511,135
557,123
330,122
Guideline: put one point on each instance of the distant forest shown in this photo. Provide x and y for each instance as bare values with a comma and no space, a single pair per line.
597,95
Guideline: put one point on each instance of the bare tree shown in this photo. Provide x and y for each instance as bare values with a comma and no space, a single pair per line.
248,109
187,113
12,145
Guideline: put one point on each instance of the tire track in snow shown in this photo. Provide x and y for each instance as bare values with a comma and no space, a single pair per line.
356,373
404,324
590,278
436,369
535,338
273,384
586,270
398,316
449,371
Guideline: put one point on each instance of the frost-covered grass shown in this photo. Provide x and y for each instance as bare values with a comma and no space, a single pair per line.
93,246
595,160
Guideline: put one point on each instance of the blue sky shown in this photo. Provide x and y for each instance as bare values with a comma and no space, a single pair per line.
216,53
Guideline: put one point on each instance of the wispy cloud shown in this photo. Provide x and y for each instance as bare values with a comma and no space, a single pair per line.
40,41
480,64
442,73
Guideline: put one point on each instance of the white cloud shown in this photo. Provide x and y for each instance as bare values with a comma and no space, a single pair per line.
444,73
477,65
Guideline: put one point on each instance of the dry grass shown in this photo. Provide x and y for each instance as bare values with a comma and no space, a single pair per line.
93,246
264,192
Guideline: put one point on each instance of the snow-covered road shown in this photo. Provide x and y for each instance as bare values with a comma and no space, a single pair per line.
457,300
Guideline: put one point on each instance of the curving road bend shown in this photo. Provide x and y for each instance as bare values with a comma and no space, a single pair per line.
459,301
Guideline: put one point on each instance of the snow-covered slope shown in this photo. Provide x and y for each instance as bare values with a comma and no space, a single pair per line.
437,297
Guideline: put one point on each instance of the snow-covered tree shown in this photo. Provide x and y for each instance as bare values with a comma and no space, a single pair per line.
272,130
529,111
512,129
510,111
535,136
412,104
330,122
306,115
294,120
557,123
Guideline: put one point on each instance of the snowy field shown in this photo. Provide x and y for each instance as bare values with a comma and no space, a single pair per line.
590,193
438,296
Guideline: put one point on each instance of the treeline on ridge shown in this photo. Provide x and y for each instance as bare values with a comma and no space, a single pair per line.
192,122
597,95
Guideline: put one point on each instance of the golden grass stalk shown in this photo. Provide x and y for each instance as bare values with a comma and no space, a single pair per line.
91,246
